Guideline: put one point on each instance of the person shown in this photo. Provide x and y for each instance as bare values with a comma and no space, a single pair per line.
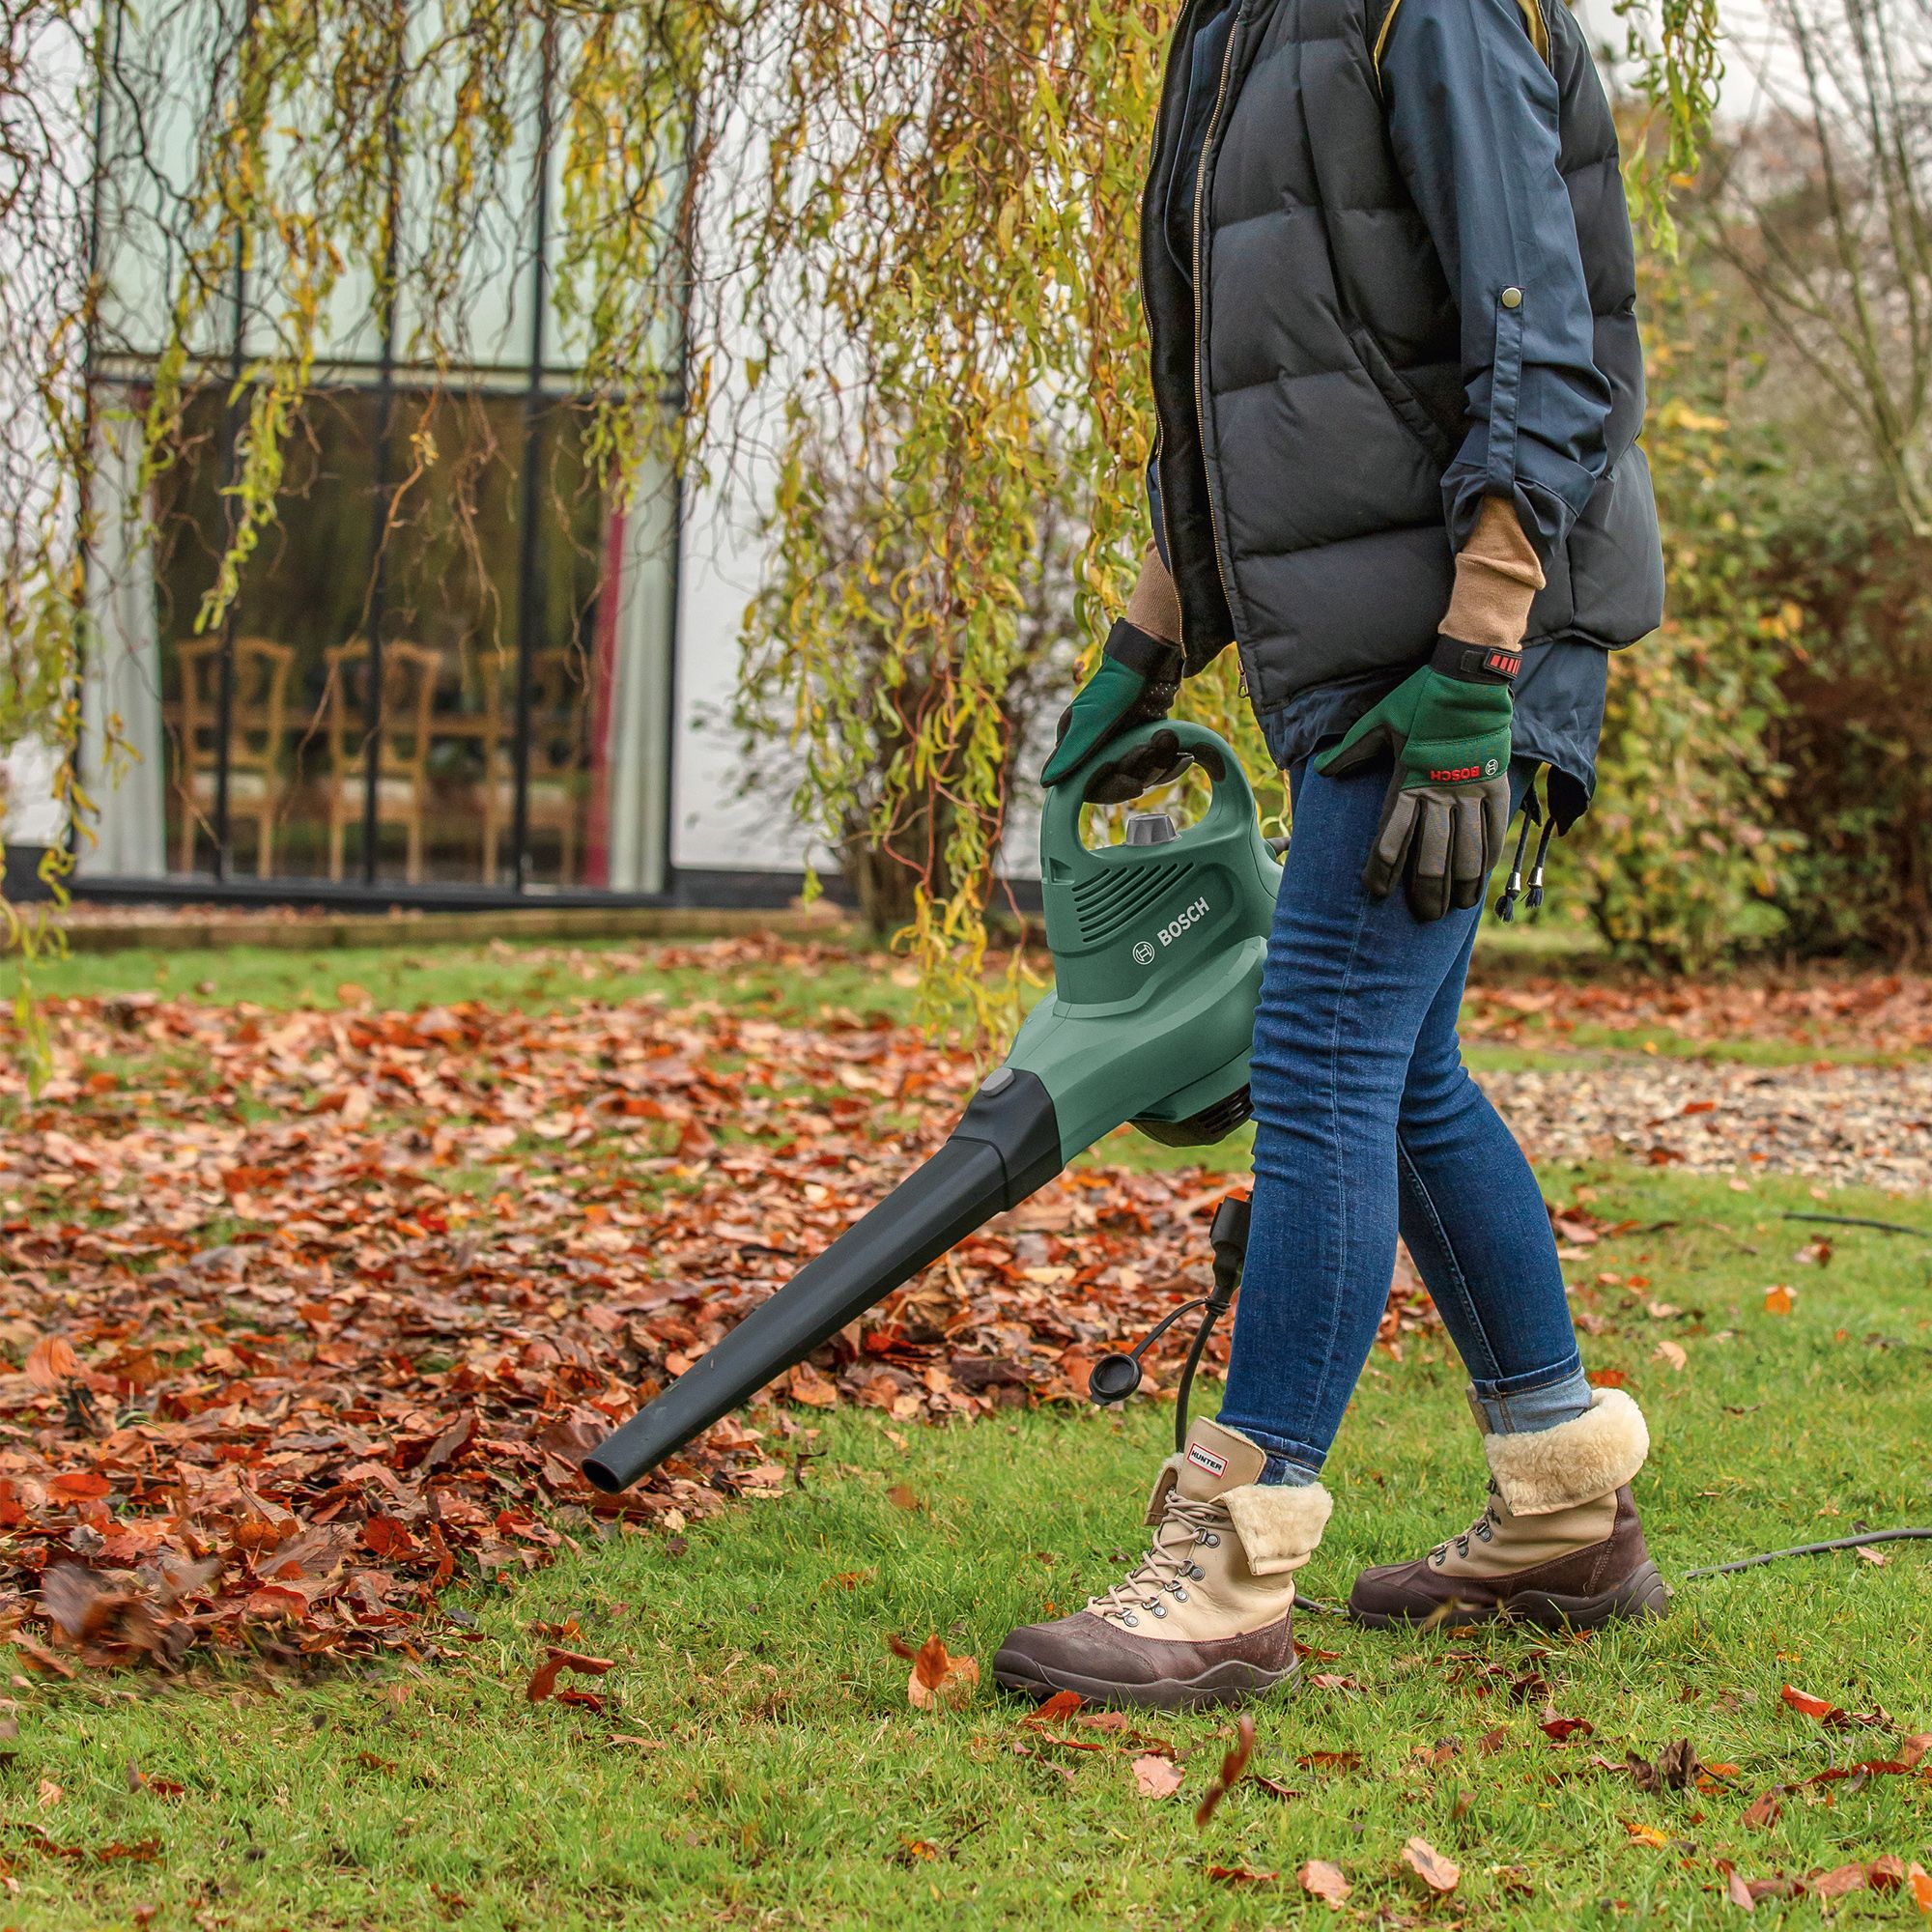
1391,296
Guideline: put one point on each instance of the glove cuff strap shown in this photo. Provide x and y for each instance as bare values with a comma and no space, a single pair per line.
1475,663
1154,658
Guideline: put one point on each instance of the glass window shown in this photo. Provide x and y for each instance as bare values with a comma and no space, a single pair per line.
467,721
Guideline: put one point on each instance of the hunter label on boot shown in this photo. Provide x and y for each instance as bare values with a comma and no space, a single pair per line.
1205,1459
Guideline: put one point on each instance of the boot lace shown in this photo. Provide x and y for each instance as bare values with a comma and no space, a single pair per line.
1167,1566
1482,1530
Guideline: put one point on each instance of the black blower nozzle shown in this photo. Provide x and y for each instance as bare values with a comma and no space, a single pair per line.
1006,1146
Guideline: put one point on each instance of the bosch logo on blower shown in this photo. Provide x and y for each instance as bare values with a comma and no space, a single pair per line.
1180,922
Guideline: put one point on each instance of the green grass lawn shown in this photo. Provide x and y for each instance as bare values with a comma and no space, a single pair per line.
534,976
757,1765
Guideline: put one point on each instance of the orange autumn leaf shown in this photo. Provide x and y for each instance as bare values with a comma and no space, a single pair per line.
542,1680
1920,1882
1840,1881
1232,1765
1778,1300
1322,1880
1807,1705
938,1679
1429,1865
51,1361
1057,1709
1240,1875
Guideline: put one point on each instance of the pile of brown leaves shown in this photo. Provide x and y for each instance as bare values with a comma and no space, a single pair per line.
317,1313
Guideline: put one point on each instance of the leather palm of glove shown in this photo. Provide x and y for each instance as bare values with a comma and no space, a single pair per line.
1447,810
1135,682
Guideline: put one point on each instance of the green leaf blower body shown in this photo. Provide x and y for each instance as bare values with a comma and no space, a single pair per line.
1158,952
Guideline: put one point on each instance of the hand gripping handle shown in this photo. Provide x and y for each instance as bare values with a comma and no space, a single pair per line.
1231,808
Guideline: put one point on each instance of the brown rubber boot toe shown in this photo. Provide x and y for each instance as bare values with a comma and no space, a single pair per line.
1086,1654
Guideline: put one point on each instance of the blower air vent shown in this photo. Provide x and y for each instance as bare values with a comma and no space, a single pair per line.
1105,903
1203,1130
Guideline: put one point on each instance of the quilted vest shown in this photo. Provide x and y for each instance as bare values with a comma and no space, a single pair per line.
1307,374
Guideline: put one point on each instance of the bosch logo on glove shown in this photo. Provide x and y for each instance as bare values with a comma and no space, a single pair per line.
1177,925
1143,952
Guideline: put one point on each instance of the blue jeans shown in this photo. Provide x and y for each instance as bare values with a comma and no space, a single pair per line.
1367,1121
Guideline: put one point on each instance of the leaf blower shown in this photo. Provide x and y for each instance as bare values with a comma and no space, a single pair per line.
1157,945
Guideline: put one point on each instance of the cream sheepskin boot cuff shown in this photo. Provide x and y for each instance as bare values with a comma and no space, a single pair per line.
1543,1471
1279,1524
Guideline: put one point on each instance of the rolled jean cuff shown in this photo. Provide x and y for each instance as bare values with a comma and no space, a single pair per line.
1288,1464
1523,1404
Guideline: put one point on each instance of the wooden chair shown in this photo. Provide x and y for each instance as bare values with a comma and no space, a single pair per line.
409,673
559,701
256,722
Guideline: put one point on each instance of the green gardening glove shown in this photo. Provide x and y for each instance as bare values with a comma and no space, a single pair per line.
1135,683
1448,806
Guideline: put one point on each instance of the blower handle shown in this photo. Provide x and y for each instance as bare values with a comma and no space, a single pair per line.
1231,808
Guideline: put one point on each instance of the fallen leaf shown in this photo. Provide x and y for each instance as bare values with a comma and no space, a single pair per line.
1675,1769
1920,1882
1764,1809
1646,1834
542,1680
1807,1705
1886,1873
938,1679
1671,1353
1559,1728
1740,1894
1240,1875
1156,1777
1840,1882
1429,1865
1232,1765
1328,1760
902,1496
1056,1710
1322,1880
1778,1300
51,1362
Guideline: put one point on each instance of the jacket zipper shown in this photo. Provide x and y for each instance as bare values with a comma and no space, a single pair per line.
1199,300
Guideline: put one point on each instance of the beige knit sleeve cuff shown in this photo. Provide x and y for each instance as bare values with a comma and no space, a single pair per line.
1497,577
1155,605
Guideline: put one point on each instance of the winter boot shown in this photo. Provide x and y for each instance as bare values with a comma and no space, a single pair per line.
1206,1615
1558,1544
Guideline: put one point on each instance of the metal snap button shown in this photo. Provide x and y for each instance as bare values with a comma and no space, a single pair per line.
1512,297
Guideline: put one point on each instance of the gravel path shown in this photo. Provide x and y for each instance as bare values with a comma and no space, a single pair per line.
1865,1125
